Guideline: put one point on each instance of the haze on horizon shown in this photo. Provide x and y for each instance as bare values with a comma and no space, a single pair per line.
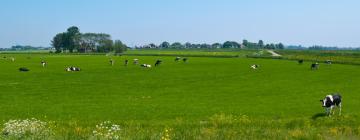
139,22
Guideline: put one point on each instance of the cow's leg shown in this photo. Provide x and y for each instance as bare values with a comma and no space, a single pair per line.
339,108
327,110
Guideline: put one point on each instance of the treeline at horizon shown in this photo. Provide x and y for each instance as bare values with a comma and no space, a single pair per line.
226,45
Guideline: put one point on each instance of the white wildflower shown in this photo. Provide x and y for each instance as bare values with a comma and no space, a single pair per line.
107,130
28,128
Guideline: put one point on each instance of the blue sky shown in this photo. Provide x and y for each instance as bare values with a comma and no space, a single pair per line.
136,22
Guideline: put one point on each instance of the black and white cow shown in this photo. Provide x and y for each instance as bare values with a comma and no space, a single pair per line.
255,66
136,61
185,60
43,63
157,63
126,62
301,61
112,62
177,59
330,102
314,66
329,62
146,65
72,69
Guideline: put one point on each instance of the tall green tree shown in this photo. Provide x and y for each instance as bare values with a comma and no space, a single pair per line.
216,45
176,45
231,44
73,36
261,44
164,45
119,47
245,43
58,42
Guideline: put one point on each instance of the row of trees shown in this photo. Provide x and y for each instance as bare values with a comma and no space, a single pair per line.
24,48
74,41
227,44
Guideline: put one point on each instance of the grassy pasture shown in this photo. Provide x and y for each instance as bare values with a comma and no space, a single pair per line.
206,98
339,56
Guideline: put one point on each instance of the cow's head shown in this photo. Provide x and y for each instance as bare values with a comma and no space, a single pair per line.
326,102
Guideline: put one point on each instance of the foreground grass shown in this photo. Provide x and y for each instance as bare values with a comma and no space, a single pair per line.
218,126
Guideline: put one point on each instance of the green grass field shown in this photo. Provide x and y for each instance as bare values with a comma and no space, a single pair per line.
339,56
206,98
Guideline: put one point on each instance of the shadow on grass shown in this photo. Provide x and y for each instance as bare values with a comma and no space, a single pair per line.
318,115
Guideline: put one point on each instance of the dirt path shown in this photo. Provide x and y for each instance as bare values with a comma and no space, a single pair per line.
274,53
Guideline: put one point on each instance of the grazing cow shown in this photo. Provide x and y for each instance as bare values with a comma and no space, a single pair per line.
136,61
126,62
330,102
177,59
328,62
43,63
23,69
112,62
146,65
72,69
255,66
314,66
157,63
185,59
301,61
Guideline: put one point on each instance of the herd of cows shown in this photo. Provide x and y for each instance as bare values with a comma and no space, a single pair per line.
329,102
112,62
313,66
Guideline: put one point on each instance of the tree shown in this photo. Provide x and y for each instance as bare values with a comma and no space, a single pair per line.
188,45
164,45
103,43
119,47
261,44
205,46
152,45
57,42
231,44
177,45
279,46
216,45
72,38
245,43
250,45
96,42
